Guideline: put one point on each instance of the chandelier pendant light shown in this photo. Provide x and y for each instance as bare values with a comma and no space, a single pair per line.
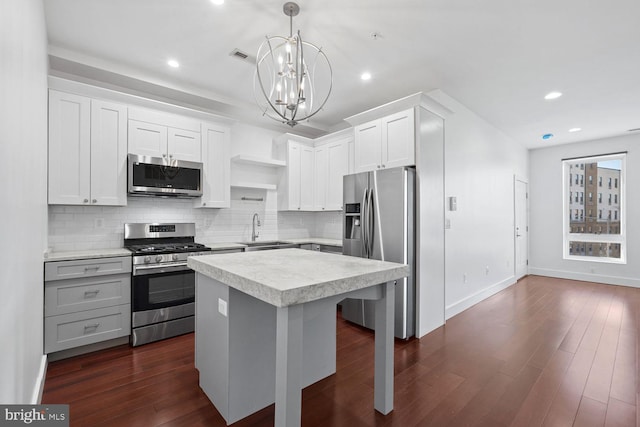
294,76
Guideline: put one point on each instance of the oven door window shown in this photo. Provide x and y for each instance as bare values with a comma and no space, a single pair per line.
163,290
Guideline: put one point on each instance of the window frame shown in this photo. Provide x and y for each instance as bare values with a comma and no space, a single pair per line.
593,238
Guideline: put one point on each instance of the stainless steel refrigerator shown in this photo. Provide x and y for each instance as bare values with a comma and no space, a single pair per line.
379,223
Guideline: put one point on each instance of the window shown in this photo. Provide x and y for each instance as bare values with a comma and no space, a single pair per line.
601,234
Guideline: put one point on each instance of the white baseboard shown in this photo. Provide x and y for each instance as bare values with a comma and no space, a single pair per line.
459,306
586,277
38,388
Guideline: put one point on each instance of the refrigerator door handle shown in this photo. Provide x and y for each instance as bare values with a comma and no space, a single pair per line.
370,223
363,226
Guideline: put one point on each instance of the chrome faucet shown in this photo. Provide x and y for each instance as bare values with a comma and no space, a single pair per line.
254,221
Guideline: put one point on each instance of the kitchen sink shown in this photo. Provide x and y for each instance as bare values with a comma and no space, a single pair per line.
267,245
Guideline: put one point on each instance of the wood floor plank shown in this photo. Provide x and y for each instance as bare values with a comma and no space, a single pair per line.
541,352
599,382
591,413
535,407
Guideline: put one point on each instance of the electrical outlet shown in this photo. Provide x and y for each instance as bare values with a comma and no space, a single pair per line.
98,223
464,278
486,270
222,307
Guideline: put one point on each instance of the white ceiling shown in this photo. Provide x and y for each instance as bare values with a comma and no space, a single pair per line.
497,57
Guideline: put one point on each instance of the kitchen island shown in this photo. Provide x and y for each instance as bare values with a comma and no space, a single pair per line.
266,324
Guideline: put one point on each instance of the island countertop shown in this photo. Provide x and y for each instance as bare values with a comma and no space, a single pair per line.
287,277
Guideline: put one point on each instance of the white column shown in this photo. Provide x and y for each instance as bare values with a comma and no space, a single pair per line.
383,379
289,366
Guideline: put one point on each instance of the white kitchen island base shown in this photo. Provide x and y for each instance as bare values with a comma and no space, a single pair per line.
251,353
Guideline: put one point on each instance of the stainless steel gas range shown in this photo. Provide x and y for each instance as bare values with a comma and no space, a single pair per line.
162,286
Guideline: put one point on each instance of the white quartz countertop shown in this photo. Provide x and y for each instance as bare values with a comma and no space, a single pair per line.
294,276
86,254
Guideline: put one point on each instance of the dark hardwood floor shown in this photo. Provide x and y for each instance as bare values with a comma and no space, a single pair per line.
545,352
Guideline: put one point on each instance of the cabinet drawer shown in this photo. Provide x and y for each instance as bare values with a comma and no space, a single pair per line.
76,329
70,296
60,270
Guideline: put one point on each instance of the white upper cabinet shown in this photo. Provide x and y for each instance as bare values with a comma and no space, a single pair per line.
321,178
295,187
385,143
157,134
216,170
108,153
337,168
87,151
331,165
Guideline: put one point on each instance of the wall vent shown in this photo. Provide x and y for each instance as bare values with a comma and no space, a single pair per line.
237,53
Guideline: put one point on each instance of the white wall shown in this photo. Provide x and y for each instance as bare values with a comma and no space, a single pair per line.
547,213
480,164
23,150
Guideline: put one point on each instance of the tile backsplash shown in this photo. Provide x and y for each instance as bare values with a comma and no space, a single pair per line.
96,227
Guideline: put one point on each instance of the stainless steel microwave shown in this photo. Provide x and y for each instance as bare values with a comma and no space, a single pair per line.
156,176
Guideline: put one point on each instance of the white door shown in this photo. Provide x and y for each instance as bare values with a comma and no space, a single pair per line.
183,145
321,178
338,167
521,228
367,149
147,139
398,140
69,148
307,165
216,163
108,153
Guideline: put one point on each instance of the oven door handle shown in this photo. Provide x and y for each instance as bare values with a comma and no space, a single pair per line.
156,269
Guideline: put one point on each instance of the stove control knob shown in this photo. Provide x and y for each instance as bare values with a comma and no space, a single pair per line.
174,257
147,259
158,258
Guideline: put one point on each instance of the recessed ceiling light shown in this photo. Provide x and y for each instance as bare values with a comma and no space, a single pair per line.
173,63
365,76
547,136
553,95
217,2
575,129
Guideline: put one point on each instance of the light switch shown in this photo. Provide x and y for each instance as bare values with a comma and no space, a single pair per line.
453,203
222,307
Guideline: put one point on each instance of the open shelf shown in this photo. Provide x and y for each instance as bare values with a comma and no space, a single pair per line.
258,161
256,185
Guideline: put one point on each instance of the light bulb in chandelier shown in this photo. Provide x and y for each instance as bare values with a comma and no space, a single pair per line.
293,78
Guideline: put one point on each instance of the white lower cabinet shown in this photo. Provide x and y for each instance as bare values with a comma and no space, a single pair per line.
86,301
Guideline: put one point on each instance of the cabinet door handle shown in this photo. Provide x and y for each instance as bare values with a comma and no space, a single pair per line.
92,328
378,166
164,155
94,201
204,204
91,294
91,267
85,201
